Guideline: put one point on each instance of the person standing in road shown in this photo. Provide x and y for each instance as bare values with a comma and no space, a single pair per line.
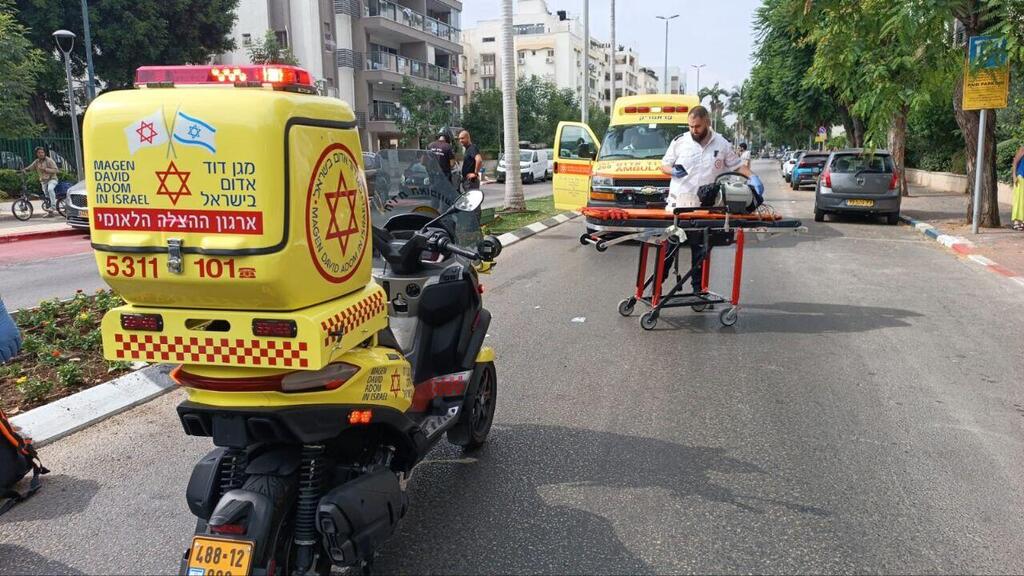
472,162
10,339
1018,191
695,159
47,170
442,148
745,155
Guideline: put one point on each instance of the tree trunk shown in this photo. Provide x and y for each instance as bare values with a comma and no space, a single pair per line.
514,200
898,146
969,121
41,113
858,132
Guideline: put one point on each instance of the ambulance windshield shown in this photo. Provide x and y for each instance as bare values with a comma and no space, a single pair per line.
639,141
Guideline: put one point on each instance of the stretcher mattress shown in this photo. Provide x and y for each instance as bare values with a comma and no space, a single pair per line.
657,218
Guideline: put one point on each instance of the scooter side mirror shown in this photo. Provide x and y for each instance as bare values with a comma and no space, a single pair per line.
489,248
469,201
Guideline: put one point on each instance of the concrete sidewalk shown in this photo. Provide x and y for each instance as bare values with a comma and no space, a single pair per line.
947,212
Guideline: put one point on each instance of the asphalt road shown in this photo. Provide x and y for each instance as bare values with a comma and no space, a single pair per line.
864,415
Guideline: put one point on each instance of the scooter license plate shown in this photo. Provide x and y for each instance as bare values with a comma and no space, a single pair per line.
216,557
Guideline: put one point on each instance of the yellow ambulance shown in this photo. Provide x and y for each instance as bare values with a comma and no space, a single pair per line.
623,169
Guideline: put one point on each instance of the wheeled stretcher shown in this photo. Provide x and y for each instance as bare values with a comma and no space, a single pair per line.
667,233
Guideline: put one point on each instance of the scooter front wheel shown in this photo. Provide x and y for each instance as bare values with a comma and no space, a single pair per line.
478,409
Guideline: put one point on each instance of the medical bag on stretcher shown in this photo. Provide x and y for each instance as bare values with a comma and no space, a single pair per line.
229,208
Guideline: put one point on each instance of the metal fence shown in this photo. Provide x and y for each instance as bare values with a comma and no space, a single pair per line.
18,153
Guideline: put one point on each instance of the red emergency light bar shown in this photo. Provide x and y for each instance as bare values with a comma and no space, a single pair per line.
656,109
278,76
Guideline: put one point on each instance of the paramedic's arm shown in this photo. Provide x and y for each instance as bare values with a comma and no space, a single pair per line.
669,159
735,163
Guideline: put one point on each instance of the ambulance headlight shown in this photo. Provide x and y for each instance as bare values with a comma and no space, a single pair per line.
601,182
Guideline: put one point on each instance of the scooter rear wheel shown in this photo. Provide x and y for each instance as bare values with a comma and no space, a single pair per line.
478,408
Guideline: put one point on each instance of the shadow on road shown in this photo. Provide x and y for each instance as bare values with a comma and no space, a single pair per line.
527,503
18,560
60,496
792,318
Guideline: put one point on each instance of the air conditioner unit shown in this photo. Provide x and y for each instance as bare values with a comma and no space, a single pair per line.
549,60
472,70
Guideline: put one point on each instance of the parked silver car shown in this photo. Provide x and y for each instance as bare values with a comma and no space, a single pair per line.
861,182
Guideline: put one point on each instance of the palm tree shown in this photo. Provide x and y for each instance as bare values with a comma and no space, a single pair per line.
514,200
715,93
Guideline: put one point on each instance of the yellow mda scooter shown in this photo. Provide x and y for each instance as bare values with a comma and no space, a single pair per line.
229,208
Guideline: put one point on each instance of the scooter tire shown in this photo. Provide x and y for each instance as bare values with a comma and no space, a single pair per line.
478,408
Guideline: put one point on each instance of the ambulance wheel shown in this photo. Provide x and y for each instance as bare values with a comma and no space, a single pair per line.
729,316
601,246
649,320
626,306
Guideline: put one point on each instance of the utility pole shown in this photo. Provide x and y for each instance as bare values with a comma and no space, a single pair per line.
91,84
615,56
585,104
666,19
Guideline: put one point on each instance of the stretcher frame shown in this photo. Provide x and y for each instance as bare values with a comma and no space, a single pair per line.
667,240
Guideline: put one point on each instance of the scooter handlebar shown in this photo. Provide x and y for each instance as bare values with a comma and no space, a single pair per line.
446,245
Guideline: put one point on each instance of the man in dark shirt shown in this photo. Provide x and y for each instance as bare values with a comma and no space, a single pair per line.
471,162
442,148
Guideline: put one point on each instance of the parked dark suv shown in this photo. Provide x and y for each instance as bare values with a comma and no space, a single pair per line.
861,182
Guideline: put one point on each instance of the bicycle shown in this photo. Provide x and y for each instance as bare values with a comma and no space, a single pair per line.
22,207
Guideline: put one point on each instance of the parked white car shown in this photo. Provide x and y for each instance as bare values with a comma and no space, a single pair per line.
789,162
551,162
532,163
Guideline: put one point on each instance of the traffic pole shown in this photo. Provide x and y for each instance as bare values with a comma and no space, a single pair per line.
979,162
585,112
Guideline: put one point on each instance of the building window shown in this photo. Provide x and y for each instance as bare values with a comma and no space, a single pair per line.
488,83
476,85
282,37
488,39
327,32
246,39
521,29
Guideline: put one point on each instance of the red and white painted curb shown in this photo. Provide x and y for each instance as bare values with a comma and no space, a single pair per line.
963,247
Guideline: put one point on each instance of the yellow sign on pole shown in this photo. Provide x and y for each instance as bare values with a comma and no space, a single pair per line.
986,74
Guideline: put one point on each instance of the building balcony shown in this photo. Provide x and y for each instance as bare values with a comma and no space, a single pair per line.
385,67
390,19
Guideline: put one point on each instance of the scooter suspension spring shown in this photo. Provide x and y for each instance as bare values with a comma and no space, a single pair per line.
310,476
232,473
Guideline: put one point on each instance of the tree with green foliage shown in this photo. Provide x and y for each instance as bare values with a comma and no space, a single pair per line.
598,120
716,104
270,51
482,118
425,112
126,34
19,68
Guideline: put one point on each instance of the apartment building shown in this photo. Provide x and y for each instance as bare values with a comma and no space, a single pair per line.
676,79
649,81
360,50
550,46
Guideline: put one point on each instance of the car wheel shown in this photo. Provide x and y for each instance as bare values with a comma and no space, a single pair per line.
794,184
892,219
819,215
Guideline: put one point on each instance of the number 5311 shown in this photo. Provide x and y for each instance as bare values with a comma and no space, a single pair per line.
129,267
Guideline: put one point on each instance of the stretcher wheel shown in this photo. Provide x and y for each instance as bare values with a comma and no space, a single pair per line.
729,316
601,246
584,239
699,307
649,320
626,306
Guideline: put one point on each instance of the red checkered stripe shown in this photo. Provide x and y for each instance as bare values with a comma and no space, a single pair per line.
352,317
236,352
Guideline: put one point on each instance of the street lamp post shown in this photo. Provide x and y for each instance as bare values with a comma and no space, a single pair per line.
585,104
666,19
65,40
91,85
697,67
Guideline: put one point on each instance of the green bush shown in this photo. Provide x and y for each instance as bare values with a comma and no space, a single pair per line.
958,163
10,182
1005,152
70,375
33,389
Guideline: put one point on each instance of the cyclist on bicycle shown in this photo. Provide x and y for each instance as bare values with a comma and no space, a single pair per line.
47,170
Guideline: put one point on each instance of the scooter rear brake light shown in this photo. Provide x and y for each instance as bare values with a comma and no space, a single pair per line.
274,328
251,384
236,529
143,322
357,417
330,377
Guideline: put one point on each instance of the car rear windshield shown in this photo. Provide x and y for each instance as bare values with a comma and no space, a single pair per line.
853,163
811,161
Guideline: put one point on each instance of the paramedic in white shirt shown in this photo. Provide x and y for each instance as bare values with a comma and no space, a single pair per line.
695,159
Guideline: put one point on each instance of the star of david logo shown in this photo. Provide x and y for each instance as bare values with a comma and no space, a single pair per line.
182,185
146,132
395,386
194,131
334,231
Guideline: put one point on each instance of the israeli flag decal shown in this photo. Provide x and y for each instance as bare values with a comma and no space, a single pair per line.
192,131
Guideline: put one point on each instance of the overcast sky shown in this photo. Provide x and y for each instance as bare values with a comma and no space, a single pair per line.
716,33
